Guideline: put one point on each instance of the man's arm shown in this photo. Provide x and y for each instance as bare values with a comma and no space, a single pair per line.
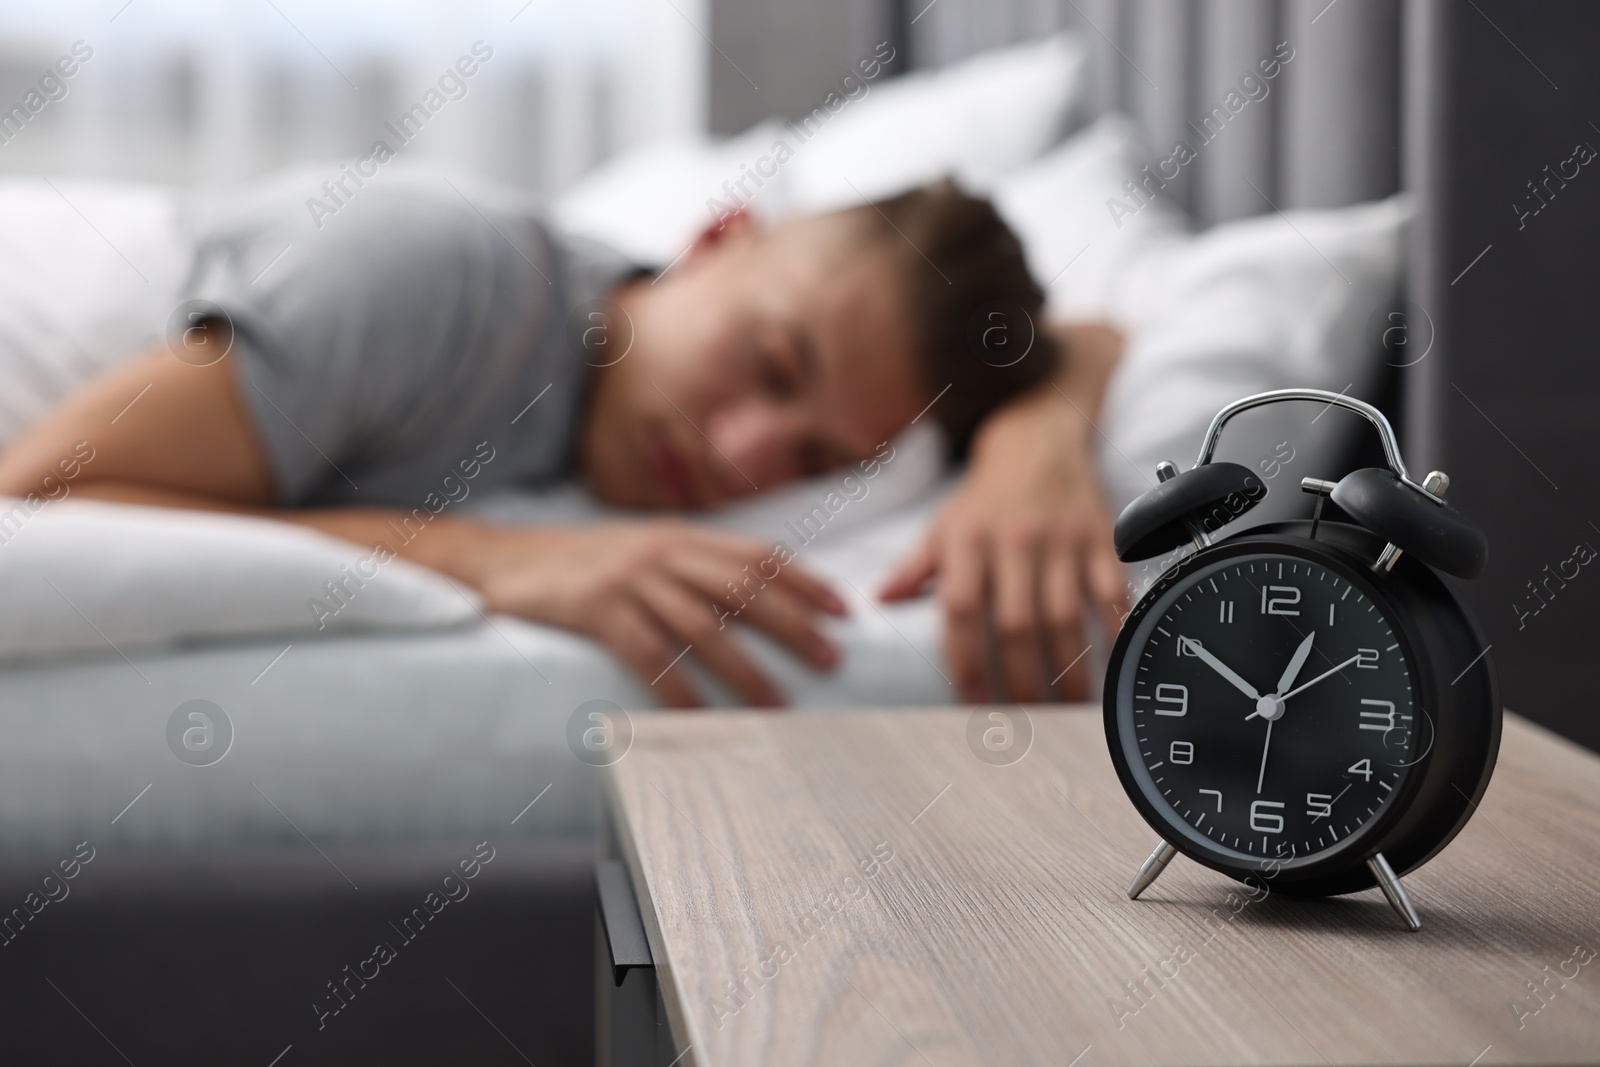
169,434
1025,539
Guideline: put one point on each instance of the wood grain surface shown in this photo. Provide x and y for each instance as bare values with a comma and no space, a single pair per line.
861,888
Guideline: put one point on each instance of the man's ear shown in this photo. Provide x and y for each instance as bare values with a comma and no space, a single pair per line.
734,224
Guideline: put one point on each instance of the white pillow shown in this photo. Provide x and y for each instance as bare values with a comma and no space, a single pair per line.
1270,302
907,468
910,467
650,202
86,577
976,119
1089,261
80,292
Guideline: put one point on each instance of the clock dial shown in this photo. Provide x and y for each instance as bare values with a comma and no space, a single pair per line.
1266,707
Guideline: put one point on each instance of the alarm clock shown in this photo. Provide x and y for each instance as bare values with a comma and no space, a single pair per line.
1302,703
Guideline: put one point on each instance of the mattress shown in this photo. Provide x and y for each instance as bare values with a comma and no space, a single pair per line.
415,736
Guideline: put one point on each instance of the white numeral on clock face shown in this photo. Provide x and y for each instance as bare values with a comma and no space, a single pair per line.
1281,601
1385,718
1264,821
1225,611
1176,697
1319,805
1368,660
1181,752
1363,768
1216,793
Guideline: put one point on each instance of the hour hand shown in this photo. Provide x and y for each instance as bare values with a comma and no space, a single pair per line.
1297,661
1220,667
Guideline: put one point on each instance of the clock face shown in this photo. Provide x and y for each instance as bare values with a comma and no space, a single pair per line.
1265,707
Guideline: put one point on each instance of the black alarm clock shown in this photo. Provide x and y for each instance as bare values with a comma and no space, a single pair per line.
1302,703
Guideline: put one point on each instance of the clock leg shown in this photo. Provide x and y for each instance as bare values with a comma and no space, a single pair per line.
1151,870
1390,883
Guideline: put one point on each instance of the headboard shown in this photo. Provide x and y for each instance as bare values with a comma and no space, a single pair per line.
1500,104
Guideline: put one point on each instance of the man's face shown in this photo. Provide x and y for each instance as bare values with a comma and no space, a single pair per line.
762,357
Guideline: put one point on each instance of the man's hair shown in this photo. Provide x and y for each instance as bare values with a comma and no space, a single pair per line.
977,327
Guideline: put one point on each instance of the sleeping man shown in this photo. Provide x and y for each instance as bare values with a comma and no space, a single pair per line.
420,334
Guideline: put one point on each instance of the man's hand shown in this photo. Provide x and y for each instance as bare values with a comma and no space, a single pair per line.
1026,541
652,590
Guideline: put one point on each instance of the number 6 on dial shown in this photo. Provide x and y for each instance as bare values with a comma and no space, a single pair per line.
1263,821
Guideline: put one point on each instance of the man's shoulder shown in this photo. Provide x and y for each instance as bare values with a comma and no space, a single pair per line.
419,235
392,213
429,217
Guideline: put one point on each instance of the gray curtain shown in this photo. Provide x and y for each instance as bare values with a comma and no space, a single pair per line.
1326,135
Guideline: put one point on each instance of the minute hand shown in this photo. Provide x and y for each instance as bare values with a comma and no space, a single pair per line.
1320,677
1222,668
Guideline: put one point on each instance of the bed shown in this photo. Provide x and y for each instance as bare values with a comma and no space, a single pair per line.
114,618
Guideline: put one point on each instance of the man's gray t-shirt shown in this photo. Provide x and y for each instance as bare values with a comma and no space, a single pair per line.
401,340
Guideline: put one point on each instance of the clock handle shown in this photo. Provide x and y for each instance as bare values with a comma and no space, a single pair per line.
1391,445
1389,882
1151,870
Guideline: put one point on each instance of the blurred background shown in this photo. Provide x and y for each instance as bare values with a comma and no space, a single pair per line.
197,93
216,92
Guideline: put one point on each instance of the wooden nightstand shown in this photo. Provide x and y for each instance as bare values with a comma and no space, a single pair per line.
862,888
